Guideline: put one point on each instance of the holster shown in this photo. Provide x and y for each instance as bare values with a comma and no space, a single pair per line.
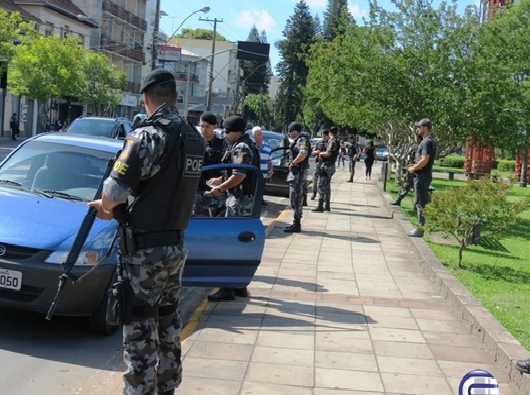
126,240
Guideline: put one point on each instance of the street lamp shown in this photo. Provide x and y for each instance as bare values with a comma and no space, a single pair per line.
203,9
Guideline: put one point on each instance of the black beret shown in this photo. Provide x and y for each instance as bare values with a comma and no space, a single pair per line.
334,130
156,78
234,124
295,126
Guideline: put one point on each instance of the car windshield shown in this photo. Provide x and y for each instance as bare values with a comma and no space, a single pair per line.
63,171
93,127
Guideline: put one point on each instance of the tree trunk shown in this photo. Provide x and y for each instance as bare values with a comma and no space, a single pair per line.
524,168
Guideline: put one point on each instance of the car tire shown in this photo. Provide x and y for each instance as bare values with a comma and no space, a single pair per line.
98,320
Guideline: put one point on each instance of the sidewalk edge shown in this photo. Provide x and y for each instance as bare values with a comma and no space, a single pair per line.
504,349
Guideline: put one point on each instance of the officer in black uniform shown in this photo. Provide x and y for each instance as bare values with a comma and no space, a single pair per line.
353,151
150,191
327,169
205,204
320,146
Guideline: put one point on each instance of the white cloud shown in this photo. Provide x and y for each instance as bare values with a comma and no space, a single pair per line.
356,11
261,18
317,3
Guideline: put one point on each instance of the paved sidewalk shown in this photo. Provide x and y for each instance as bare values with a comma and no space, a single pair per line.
342,308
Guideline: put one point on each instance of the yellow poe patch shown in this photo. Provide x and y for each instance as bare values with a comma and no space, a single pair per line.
120,167
126,150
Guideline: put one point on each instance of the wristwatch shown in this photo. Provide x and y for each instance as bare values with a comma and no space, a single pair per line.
219,189
105,211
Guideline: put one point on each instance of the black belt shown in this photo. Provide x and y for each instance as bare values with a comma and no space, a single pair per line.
158,239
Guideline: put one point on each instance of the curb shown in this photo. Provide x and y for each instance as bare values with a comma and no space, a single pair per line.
503,348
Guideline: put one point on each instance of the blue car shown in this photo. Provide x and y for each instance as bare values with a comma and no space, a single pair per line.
45,184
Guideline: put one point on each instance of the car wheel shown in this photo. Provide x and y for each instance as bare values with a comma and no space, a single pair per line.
98,319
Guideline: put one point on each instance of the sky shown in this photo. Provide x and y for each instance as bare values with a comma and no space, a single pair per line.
238,16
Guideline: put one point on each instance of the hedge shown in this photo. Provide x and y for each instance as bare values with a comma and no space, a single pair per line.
452,161
506,165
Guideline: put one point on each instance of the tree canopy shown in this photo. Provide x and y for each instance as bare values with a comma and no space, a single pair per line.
200,34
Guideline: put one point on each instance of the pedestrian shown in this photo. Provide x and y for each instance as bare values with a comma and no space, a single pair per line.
407,184
206,205
14,125
58,124
265,154
342,155
422,171
152,252
319,147
353,151
237,184
297,177
370,158
327,169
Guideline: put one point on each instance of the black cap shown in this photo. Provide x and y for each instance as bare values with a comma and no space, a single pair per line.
156,78
325,131
333,130
234,124
295,126
424,122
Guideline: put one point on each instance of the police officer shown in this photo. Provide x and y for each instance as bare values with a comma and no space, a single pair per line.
353,151
237,184
319,147
150,196
13,124
205,204
327,169
298,168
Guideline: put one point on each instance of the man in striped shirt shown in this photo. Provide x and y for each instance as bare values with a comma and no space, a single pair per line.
265,154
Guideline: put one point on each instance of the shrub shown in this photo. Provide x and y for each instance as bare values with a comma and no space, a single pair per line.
483,203
506,165
452,161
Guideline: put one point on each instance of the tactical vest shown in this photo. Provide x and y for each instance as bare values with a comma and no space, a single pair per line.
334,153
165,201
247,186
215,150
295,151
352,150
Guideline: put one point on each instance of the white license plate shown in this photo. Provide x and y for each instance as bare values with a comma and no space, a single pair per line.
10,279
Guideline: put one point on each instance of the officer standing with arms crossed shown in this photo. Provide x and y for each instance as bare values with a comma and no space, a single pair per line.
327,169
237,184
298,167
151,191
319,147
205,204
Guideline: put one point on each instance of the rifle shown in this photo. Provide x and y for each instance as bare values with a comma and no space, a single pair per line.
78,243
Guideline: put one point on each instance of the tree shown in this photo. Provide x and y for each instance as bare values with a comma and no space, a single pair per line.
10,30
102,83
336,19
299,34
259,105
200,34
459,211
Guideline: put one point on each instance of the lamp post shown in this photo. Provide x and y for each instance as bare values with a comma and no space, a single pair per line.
203,9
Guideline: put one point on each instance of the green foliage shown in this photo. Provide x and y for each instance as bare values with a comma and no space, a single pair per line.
10,24
452,161
336,19
200,34
458,211
259,105
506,165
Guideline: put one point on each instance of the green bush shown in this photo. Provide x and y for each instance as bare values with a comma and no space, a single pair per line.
452,161
506,165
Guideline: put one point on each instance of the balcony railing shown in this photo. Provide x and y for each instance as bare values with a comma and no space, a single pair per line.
124,14
122,49
132,87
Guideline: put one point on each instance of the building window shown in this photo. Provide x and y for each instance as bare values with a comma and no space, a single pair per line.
66,32
48,29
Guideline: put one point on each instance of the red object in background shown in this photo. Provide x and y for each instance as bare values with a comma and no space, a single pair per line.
478,159
519,165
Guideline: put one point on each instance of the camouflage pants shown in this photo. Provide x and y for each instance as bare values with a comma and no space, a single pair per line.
316,177
152,348
296,192
239,207
352,166
324,181
208,206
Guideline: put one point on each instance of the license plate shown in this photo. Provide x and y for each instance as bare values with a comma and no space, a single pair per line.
10,279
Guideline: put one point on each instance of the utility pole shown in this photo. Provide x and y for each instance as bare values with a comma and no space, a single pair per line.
156,26
210,83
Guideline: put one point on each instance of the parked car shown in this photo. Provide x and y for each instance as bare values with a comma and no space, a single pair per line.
382,154
114,128
45,184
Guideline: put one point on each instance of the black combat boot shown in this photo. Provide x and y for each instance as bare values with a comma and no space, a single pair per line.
222,294
304,203
314,196
396,202
320,207
351,179
295,227
326,206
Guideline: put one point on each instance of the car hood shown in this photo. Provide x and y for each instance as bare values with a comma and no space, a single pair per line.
39,222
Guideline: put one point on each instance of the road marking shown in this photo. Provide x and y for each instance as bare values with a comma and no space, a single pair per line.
199,311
